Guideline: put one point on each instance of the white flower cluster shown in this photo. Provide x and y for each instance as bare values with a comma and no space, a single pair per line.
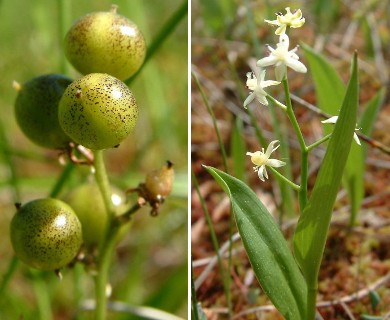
280,57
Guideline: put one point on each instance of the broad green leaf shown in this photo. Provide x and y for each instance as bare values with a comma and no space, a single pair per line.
268,251
330,88
311,232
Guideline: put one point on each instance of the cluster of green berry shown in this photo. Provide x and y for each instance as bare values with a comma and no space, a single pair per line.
97,111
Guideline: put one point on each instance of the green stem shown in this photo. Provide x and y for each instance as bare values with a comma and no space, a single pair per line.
302,195
64,14
63,178
317,143
223,272
194,302
103,182
291,115
107,247
164,33
211,112
101,279
277,103
311,303
42,296
283,178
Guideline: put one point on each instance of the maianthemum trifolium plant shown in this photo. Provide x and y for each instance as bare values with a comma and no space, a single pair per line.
81,118
290,277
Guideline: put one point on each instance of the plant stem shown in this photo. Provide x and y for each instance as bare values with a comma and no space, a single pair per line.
317,143
211,112
311,304
277,103
108,244
291,115
283,178
224,273
101,279
302,195
64,14
164,33
103,182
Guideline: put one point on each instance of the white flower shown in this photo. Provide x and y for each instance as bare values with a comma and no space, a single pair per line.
293,20
261,159
282,58
334,119
256,86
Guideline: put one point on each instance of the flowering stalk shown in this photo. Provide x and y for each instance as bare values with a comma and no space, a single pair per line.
302,194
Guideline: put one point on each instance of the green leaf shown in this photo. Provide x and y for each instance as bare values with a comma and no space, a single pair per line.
368,317
311,232
370,113
354,170
268,251
375,299
330,88
353,180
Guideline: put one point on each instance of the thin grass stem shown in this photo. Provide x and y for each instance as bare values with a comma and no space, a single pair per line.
224,275
162,36
213,118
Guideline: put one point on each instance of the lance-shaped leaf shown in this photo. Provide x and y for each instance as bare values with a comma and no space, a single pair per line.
354,170
311,232
330,92
268,251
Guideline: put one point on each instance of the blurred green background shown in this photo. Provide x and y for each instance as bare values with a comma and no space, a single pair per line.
150,267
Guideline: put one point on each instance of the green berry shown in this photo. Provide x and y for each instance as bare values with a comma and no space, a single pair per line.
89,206
36,110
98,111
105,42
46,234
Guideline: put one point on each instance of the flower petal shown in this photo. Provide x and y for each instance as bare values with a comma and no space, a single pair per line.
273,22
281,30
296,65
331,120
261,77
268,83
262,173
280,71
262,98
271,148
275,163
267,61
356,138
249,99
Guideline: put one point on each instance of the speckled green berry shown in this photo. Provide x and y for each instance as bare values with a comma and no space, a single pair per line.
105,42
36,110
89,206
98,111
46,234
